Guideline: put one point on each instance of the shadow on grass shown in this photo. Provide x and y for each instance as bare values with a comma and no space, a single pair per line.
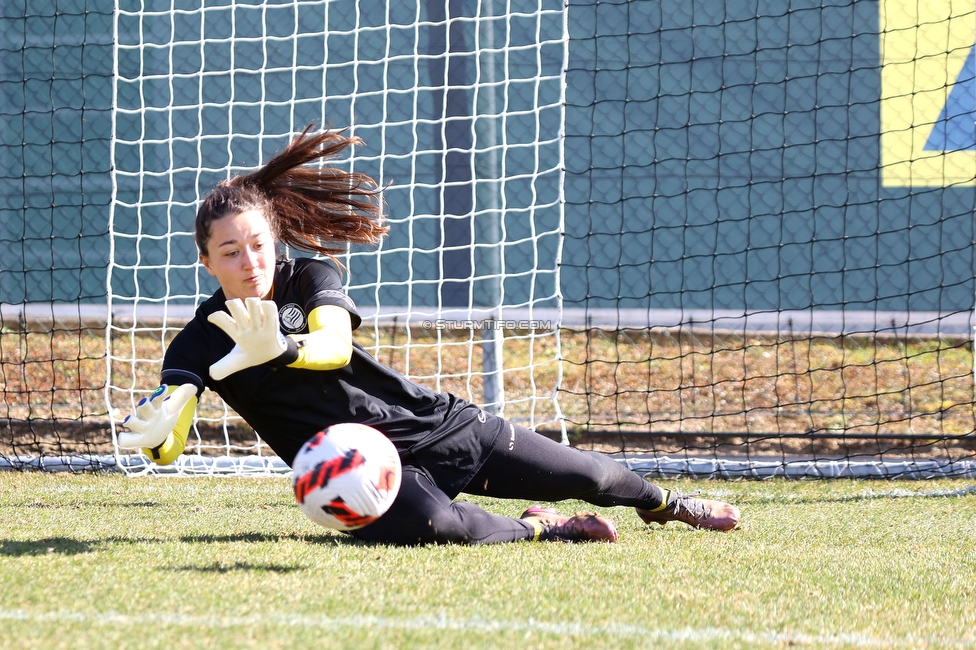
51,545
45,504
69,546
328,540
229,567
219,566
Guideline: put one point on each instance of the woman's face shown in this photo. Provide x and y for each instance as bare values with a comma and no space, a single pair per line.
241,255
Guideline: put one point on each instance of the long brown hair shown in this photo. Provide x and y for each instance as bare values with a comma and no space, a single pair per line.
317,209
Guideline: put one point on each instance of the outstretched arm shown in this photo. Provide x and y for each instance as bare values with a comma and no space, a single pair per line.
161,423
328,344
253,326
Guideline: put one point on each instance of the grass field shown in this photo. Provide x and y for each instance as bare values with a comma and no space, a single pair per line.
103,561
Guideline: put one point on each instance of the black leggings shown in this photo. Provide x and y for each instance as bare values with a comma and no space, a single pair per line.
523,465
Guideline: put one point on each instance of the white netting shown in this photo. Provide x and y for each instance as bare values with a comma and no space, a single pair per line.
461,112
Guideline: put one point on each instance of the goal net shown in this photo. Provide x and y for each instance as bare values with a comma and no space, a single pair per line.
460,111
725,239
772,206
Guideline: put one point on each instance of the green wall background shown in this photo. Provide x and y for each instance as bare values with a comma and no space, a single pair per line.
715,158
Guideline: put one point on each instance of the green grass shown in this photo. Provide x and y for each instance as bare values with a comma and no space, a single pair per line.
103,561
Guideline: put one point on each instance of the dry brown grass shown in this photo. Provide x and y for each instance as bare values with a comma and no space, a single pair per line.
798,395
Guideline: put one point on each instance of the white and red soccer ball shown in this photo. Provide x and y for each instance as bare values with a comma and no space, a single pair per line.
346,476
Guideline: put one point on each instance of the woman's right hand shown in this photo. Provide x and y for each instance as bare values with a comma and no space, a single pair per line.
155,417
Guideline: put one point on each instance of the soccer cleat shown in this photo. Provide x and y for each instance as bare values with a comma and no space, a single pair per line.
581,527
697,513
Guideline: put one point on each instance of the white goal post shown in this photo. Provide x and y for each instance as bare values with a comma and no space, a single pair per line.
461,111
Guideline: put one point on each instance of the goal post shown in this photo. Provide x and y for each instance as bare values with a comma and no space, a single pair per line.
716,239
459,106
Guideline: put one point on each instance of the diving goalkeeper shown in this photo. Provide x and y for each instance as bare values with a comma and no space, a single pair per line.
275,342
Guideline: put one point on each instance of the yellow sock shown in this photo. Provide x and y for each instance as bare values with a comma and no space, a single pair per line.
664,502
537,525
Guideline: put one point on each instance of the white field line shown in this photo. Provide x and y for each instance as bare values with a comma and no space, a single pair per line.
902,493
687,635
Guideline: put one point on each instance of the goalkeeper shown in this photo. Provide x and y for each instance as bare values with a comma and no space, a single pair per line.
275,342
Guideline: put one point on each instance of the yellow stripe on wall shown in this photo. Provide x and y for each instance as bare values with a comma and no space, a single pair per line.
924,44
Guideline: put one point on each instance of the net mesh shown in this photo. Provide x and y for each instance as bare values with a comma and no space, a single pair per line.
724,238
460,111
770,207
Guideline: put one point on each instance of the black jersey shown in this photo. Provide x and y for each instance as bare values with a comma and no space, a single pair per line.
286,406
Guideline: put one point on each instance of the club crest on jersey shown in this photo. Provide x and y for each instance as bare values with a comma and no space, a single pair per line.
292,318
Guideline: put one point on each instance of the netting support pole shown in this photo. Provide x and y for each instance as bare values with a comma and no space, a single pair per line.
492,366
487,139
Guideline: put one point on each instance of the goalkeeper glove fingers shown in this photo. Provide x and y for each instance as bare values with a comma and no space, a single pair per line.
155,417
253,326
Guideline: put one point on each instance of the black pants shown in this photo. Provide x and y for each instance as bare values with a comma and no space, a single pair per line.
523,465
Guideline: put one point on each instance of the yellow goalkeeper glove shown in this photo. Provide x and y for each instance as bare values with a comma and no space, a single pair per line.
253,325
161,423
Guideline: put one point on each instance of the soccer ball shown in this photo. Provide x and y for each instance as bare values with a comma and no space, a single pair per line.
346,476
